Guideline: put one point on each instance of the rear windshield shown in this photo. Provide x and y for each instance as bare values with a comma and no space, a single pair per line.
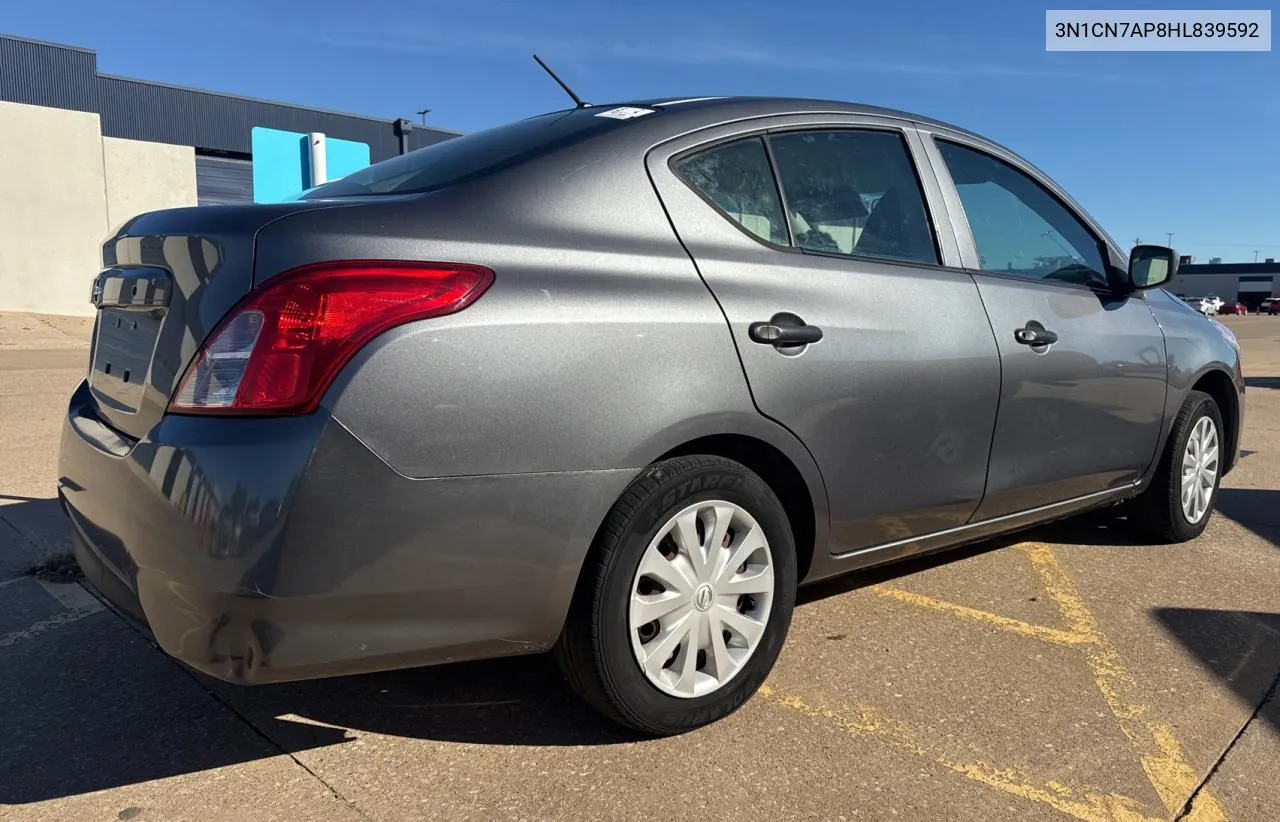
470,156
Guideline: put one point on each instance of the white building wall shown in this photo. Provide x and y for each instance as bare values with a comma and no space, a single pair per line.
1226,286
53,208
1250,291
144,176
63,189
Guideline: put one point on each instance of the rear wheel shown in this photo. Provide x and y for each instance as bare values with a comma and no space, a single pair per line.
687,599
1178,504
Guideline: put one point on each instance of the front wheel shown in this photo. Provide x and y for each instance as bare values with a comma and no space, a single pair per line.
686,600
1177,505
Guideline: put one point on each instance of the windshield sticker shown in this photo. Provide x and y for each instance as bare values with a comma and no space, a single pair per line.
625,113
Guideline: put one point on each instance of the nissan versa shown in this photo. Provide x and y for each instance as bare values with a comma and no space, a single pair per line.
613,381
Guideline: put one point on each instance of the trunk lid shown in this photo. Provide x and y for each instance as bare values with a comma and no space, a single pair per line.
168,277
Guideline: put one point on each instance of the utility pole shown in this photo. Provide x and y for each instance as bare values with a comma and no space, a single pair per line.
423,114
1170,243
1137,241
1255,255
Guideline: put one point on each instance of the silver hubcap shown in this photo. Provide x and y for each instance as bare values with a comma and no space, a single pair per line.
700,599
1199,470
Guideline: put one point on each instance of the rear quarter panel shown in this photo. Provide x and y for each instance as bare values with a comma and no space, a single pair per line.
596,347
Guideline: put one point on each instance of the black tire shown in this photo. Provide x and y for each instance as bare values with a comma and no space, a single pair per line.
1157,511
594,651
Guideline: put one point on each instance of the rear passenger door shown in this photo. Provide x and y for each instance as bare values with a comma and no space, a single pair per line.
808,226
1083,391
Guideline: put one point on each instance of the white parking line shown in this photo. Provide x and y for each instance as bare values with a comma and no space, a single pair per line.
72,595
78,602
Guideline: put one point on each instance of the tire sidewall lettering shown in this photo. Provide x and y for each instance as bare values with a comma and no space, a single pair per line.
674,493
683,493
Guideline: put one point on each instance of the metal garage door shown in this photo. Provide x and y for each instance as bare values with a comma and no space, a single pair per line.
223,180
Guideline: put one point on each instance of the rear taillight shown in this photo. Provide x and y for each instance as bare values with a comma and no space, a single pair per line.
279,350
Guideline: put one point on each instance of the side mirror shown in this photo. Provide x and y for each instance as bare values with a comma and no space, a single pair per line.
1151,266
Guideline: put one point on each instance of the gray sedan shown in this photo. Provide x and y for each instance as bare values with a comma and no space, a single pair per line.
613,382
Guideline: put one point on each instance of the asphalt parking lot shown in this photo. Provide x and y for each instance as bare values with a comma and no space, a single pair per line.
1065,673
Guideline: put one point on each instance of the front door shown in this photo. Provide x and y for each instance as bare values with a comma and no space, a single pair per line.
851,330
1083,387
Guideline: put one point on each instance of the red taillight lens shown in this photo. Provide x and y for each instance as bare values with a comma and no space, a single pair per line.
277,351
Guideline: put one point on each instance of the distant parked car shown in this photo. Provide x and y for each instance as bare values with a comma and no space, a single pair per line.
1202,304
1271,305
1214,300
1233,307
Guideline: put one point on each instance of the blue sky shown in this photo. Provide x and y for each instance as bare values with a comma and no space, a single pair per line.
1149,143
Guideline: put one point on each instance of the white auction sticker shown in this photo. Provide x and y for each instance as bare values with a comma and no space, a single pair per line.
1158,30
625,112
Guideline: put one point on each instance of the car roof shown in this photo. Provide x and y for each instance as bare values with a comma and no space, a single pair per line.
707,111
677,115
691,113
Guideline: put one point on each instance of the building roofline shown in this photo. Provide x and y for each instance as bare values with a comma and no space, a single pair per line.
225,94
19,38
265,101
1230,268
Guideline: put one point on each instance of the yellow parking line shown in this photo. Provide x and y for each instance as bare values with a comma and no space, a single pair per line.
1004,623
1090,805
1163,759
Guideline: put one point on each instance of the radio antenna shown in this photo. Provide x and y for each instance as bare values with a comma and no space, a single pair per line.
576,99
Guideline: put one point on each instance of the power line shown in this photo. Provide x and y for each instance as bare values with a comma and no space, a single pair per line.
1250,246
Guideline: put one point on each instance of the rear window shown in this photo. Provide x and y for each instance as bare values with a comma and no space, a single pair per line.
470,156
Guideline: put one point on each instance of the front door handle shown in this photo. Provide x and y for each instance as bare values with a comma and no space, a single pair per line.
1034,334
784,329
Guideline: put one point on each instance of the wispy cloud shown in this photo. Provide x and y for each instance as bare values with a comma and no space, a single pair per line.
720,48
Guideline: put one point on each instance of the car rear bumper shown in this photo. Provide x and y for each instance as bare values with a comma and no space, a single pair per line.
260,550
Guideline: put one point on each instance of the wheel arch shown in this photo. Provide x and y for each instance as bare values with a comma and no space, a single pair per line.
768,449
1217,383
780,474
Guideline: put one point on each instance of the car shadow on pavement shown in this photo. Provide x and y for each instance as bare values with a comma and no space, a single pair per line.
92,704
1257,509
88,704
511,701
95,705
31,530
1241,648
852,581
1105,527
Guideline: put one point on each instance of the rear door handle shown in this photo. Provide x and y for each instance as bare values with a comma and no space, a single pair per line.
1034,334
784,329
